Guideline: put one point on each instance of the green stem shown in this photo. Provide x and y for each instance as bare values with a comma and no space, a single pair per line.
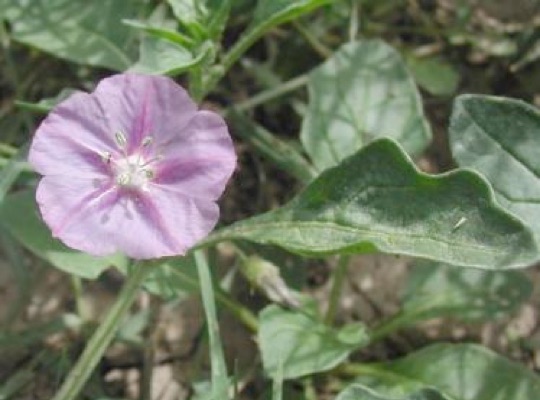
241,312
281,153
315,43
273,93
196,89
24,166
238,310
371,369
239,48
353,22
103,336
390,325
337,285
8,149
11,171
76,282
220,387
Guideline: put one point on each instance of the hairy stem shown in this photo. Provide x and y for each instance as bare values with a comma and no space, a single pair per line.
103,336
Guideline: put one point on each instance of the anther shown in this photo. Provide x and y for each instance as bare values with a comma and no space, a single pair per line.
120,139
147,141
106,157
123,179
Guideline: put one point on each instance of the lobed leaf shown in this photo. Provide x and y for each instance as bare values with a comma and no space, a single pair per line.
499,137
376,200
361,93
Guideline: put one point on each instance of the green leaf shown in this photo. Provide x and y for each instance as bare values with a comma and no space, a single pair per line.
460,372
20,216
163,57
362,93
270,13
76,30
295,344
436,290
133,328
11,171
377,200
188,11
358,391
434,74
203,18
219,14
160,30
499,137
174,278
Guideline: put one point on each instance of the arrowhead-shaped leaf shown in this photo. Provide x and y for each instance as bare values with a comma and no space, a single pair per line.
361,93
460,372
377,200
500,138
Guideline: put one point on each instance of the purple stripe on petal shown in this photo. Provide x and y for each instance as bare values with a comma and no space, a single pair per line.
149,210
142,123
103,199
147,200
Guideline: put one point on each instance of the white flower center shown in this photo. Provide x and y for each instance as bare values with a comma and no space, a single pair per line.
132,172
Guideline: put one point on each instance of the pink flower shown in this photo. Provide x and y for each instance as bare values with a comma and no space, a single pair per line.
133,167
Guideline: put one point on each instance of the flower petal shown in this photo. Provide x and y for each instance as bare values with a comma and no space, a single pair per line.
141,105
200,161
72,140
67,206
187,220
81,154
141,225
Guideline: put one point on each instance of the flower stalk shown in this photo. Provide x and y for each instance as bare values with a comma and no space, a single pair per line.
220,381
103,336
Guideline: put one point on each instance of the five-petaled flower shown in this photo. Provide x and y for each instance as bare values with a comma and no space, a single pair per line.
132,167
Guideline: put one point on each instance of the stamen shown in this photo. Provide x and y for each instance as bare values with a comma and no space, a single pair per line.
147,141
106,157
152,160
123,179
149,173
120,139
